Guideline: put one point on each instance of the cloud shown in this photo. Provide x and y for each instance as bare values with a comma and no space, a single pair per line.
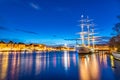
103,39
25,31
4,28
35,6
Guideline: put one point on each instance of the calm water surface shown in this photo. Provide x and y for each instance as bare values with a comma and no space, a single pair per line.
58,66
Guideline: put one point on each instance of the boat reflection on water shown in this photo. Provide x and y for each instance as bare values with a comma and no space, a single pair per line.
88,67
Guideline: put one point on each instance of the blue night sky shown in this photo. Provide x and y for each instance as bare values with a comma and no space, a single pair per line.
52,21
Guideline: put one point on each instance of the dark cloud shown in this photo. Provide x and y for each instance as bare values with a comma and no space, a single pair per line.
25,31
102,42
4,28
20,30
54,36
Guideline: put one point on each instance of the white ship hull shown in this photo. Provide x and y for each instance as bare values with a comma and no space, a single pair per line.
83,50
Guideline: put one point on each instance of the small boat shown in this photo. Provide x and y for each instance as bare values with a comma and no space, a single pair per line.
116,55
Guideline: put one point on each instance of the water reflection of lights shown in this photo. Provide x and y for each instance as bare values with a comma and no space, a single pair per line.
44,60
94,68
13,65
38,51
16,65
5,53
28,63
38,65
103,58
3,67
66,60
74,59
9,60
54,60
89,69
48,60
84,73
112,61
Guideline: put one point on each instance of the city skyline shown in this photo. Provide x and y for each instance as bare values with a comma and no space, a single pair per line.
52,21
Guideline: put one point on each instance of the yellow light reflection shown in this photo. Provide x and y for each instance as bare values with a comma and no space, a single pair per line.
84,72
112,61
38,65
4,66
66,59
88,67
94,70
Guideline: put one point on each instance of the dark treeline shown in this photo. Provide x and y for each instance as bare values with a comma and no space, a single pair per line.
115,40
12,42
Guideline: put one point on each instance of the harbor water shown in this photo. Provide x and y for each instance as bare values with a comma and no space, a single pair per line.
62,65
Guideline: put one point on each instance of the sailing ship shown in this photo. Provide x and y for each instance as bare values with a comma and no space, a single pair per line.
86,36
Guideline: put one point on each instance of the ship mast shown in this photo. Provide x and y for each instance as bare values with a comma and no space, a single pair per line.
88,27
87,23
93,38
82,30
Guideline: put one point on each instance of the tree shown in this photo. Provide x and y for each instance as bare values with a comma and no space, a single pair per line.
116,28
115,40
112,42
2,42
10,42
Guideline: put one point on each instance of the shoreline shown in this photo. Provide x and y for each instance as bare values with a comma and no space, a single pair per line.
32,50
116,55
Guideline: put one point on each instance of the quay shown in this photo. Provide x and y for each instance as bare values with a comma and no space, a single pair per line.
116,55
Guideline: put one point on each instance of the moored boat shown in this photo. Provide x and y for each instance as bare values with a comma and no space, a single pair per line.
116,55
87,37
86,24
84,50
